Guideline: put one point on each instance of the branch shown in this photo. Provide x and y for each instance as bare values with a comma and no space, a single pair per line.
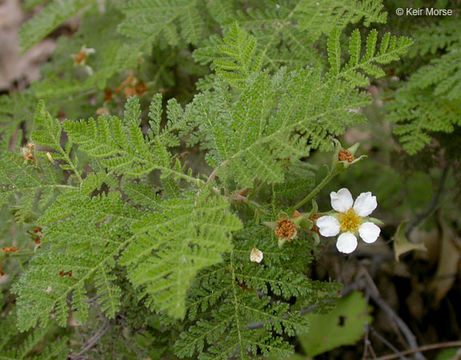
215,171
423,348
91,342
409,336
397,353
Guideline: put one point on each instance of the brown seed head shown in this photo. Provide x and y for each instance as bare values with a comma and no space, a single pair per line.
345,155
37,230
108,93
313,218
79,58
140,88
28,152
9,249
286,229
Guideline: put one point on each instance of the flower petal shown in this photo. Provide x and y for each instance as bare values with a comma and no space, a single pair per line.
365,204
328,226
342,200
369,232
347,243
256,255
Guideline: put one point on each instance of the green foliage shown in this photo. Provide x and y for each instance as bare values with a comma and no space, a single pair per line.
15,110
26,188
339,14
148,20
47,133
389,50
238,318
272,117
429,102
232,57
121,146
147,210
30,346
49,19
75,227
435,37
447,354
187,235
287,30
343,326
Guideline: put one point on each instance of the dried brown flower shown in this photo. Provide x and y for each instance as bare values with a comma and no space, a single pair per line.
313,218
80,57
286,229
68,273
108,93
9,249
28,152
345,155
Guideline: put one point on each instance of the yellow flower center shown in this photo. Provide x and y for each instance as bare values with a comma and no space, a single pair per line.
349,221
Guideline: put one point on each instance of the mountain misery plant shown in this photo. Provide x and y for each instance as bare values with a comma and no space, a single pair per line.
120,232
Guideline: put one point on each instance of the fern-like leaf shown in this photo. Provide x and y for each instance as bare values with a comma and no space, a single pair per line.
359,68
75,228
312,15
148,20
186,235
272,118
49,19
121,146
233,56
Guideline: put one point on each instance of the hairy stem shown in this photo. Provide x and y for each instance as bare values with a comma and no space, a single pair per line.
316,190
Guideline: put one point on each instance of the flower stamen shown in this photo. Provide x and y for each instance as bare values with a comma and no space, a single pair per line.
349,221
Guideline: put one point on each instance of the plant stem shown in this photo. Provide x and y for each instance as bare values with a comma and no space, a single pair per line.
256,190
21,253
316,190
71,164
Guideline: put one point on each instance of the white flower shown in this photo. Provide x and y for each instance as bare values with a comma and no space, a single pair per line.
256,255
350,220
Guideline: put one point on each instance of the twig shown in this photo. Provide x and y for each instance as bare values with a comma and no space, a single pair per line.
91,342
409,336
215,171
388,344
435,200
423,348
366,341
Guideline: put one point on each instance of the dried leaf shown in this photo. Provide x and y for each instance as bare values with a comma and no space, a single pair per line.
401,243
447,268
256,255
